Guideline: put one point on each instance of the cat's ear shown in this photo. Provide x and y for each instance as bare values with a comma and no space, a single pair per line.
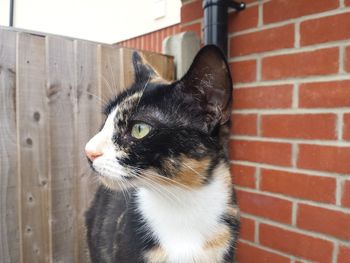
208,81
143,71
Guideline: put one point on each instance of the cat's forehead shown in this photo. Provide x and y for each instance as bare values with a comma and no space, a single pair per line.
120,109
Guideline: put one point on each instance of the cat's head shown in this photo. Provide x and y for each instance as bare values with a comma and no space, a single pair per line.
165,133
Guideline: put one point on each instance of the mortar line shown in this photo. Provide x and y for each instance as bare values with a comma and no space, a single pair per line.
342,59
291,50
295,96
290,81
293,20
339,191
292,140
260,15
256,232
297,35
335,253
294,213
295,151
287,111
291,169
339,126
296,199
257,177
301,231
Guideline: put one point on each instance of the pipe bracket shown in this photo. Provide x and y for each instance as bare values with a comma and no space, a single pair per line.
239,6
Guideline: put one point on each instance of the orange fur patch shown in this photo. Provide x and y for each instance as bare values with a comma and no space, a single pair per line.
220,240
193,172
155,255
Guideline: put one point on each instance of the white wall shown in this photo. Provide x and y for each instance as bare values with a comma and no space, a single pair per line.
4,12
106,21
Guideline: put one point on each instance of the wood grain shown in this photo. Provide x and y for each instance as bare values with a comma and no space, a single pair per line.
51,93
110,78
87,120
61,93
9,227
33,140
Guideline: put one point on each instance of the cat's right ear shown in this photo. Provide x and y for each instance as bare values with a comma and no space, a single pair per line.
208,83
143,71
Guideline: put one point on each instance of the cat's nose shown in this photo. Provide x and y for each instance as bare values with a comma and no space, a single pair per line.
92,155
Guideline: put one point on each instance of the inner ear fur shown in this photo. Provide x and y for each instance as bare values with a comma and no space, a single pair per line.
209,82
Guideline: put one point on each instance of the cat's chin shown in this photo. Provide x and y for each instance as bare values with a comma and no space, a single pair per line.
117,184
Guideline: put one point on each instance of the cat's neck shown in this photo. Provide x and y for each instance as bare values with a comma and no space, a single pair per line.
184,219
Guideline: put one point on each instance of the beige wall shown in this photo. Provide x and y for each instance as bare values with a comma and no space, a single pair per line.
99,20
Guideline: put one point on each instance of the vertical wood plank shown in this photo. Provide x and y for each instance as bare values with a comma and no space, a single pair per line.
44,178
126,67
9,227
33,148
163,64
62,100
110,77
88,121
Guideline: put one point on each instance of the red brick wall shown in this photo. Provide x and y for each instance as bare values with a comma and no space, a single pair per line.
151,41
290,144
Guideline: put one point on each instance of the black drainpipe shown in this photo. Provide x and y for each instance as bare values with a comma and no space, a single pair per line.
215,21
12,6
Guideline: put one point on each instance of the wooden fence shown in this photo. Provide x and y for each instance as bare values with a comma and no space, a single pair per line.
51,90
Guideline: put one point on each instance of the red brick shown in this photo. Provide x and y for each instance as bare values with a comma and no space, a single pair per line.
347,2
280,10
270,97
320,62
262,41
243,175
321,30
305,126
247,229
191,11
196,27
333,94
345,200
247,254
265,206
244,124
346,127
324,158
261,152
344,254
315,188
243,71
347,59
296,244
238,21
330,222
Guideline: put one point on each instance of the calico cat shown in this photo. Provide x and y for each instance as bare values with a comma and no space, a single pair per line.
166,193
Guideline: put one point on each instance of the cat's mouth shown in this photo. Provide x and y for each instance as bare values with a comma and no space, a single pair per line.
112,174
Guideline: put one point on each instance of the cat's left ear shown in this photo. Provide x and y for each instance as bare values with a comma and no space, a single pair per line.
143,71
208,81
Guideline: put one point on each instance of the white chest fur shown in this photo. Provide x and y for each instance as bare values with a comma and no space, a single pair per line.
183,220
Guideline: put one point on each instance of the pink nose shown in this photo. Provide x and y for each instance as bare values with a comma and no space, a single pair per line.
93,155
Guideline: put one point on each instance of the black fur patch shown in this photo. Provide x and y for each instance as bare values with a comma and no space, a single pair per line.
187,119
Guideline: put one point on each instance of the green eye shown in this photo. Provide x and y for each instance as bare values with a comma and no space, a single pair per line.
140,130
